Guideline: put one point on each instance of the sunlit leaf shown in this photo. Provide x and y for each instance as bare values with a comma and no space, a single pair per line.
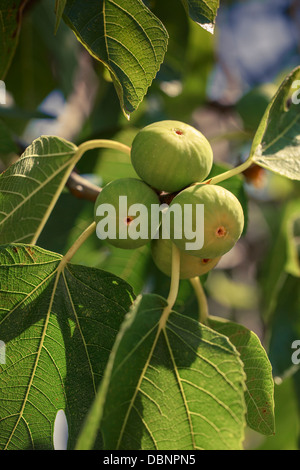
203,12
30,187
259,394
276,145
126,37
59,324
173,386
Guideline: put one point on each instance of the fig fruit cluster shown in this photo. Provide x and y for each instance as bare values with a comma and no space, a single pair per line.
170,158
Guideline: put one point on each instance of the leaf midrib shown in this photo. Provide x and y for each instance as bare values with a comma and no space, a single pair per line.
279,136
53,175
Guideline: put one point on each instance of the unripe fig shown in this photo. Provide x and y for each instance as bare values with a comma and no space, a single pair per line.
123,213
222,224
171,155
190,266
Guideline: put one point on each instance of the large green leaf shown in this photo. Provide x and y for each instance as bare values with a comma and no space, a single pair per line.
30,187
10,25
178,385
276,145
259,393
203,12
285,328
59,324
126,37
283,257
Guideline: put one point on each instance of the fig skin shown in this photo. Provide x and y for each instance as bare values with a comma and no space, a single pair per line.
171,155
190,266
223,219
137,192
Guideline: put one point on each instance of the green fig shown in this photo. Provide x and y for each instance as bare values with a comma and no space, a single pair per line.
171,155
123,213
219,228
190,266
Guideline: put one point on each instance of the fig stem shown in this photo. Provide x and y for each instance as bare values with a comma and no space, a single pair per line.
173,292
80,240
228,174
201,298
174,276
101,143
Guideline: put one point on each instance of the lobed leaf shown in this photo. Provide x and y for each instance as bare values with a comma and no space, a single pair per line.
29,188
124,35
59,324
276,145
259,394
178,386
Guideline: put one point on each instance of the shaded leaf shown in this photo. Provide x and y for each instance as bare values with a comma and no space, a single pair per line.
59,9
61,50
31,76
23,114
130,265
126,37
178,386
10,25
259,394
7,143
285,330
177,24
59,324
283,257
